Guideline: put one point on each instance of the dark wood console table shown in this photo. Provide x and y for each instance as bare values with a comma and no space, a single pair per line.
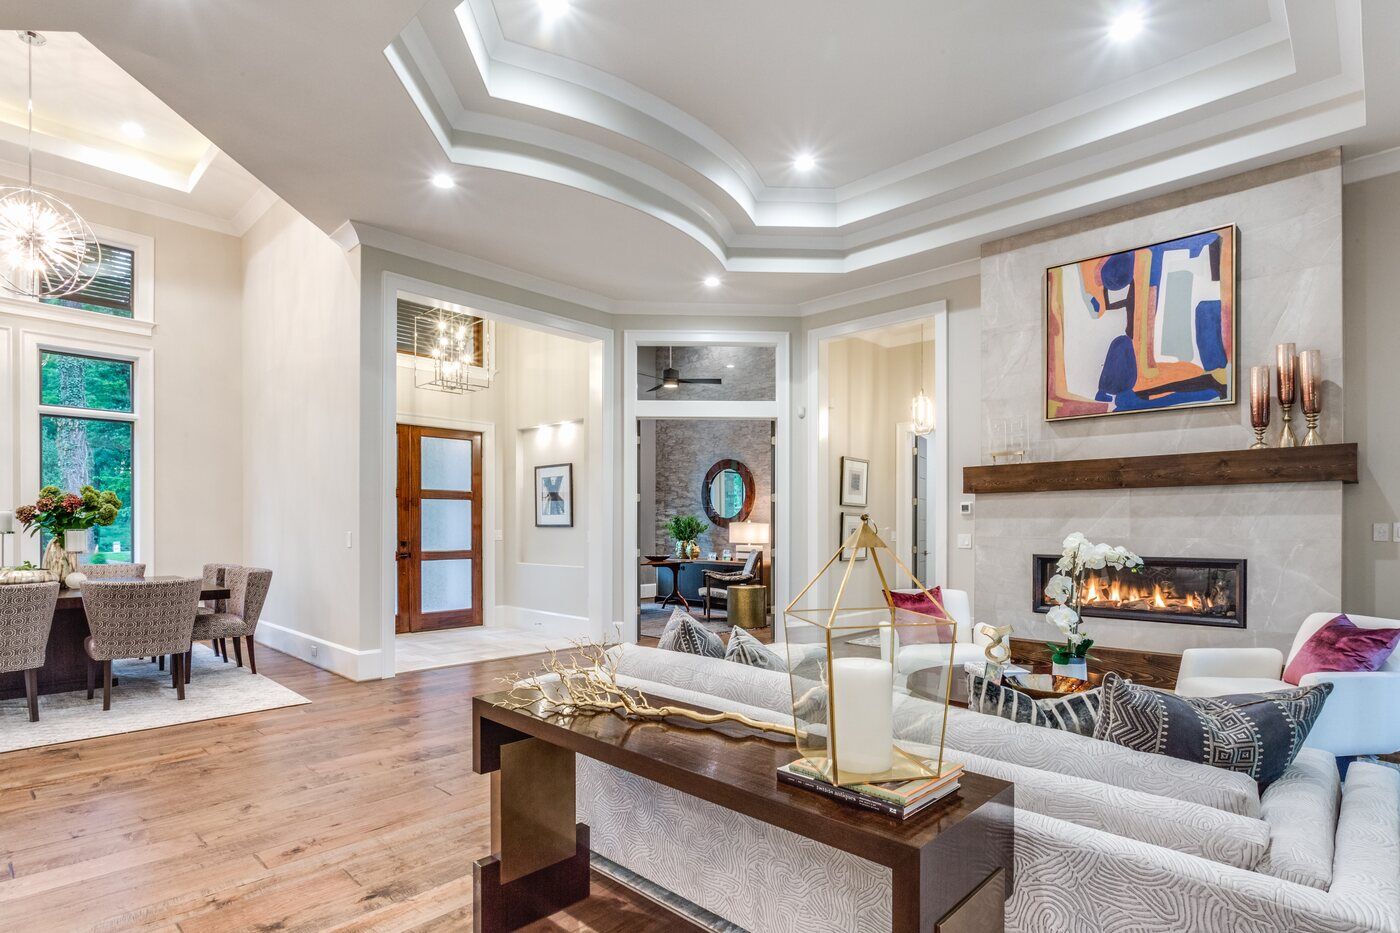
951,866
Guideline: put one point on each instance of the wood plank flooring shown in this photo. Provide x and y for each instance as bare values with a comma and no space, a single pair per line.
357,812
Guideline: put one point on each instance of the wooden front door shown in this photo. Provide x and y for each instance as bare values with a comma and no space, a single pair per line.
439,552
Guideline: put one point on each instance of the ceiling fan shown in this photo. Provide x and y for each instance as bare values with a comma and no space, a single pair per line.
671,377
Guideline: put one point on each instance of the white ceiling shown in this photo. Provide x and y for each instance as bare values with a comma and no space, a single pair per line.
636,146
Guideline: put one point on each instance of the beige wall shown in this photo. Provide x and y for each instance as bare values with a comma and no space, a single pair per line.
299,439
540,574
1371,228
198,488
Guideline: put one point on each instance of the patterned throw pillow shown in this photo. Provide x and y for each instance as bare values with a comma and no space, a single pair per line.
1258,734
745,649
1075,712
684,633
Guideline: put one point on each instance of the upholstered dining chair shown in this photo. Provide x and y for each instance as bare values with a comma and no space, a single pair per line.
138,619
26,614
113,571
716,583
213,578
247,588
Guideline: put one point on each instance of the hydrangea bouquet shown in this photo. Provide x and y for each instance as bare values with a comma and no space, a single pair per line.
1066,587
57,513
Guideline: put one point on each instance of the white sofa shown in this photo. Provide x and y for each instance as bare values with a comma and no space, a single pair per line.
1361,717
1107,839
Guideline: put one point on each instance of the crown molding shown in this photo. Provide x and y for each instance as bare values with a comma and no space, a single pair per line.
1364,168
967,268
258,204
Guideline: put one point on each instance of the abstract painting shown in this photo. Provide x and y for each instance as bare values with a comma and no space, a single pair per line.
854,474
554,496
1146,329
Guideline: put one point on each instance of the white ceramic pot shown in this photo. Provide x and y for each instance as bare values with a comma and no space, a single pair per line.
1078,668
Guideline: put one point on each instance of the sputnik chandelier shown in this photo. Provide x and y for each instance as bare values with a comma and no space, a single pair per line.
46,249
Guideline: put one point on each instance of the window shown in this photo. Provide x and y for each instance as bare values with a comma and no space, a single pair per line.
87,437
112,289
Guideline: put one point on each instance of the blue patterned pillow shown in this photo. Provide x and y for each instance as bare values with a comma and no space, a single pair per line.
684,633
1073,712
1258,734
745,649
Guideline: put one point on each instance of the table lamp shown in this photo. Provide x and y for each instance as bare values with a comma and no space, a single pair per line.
751,535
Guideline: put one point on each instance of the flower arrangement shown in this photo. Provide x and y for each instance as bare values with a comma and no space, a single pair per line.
57,513
685,529
1065,588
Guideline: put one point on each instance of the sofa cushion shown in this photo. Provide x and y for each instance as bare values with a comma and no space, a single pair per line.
1342,646
685,633
1257,734
743,648
1301,810
1074,712
716,677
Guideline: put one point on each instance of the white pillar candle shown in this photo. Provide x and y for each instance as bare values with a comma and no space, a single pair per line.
7,523
862,691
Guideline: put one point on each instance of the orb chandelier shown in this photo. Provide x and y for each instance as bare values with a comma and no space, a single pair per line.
46,249
921,409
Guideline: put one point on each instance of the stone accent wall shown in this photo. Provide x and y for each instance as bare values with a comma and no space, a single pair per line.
753,378
1290,290
685,451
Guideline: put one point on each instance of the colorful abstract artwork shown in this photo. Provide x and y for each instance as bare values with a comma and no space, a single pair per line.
554,496
1147,329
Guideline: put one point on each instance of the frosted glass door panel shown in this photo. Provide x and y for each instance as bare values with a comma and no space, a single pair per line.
447,524
446,464
447,585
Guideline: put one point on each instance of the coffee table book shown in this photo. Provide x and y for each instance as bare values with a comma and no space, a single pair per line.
899,799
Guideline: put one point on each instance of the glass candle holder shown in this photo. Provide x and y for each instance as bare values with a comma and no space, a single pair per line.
1259,392
1310,391
1287,390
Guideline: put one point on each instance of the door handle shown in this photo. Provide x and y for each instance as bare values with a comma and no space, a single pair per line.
403,553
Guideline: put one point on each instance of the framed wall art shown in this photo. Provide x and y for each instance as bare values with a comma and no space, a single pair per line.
554,496
855,475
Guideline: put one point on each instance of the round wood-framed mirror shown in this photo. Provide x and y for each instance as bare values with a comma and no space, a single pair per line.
728,492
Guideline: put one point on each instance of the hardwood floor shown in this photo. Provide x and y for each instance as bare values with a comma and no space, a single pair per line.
356,812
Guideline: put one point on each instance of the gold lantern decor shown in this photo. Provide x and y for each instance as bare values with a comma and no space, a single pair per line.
848,702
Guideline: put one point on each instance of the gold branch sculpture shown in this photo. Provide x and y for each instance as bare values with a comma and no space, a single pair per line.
587,683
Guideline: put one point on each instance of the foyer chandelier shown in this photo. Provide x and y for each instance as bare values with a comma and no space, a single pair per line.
46,249
459,348
921,409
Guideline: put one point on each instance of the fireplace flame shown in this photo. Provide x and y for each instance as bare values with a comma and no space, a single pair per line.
1104,590
1157,600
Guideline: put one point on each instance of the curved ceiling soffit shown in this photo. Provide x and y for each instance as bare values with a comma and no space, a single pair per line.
1087,150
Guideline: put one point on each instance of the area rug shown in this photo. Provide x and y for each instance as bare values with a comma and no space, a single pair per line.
143,699
652,619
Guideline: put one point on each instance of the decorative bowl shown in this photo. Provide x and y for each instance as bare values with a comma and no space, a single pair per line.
656,557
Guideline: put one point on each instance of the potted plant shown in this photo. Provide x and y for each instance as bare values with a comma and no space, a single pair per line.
1066,589
60,513
685,529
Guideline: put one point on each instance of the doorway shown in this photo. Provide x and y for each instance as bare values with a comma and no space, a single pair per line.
439,529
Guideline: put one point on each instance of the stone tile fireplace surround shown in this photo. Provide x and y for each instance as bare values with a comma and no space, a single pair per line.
1290,290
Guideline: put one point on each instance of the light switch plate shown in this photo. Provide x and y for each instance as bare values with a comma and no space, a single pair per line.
964,541
1395,532
1380,532
965,508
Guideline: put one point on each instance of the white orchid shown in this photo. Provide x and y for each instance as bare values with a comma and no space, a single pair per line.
1079,555
1063,618
1059,588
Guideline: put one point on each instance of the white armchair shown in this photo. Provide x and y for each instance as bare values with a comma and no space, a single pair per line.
1359,716
968,647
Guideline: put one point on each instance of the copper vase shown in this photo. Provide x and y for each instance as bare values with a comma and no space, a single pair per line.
1259,391
1310,391
1287,391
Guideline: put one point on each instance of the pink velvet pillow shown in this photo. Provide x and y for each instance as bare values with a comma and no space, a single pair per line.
1342,646
923,605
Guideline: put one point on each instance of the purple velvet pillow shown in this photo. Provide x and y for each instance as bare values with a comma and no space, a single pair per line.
926,606
1341,646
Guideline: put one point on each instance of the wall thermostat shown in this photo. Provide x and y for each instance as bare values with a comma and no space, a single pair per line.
965,508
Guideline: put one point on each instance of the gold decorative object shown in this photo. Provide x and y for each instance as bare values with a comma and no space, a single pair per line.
585,681
997,650
1259,404
1310,389
1287,390
842,658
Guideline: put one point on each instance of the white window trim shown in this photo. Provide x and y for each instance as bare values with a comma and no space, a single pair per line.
143,416
142,321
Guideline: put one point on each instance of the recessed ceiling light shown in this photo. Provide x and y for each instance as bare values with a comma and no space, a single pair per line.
1127,24
132,130
804,162
553,9
443,180
712,281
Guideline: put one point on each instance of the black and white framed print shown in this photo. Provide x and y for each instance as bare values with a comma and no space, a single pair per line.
554,496
850,524
854,475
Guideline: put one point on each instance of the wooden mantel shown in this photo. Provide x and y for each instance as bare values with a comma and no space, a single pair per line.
1327,463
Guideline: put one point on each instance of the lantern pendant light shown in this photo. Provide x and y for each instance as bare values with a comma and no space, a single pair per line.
46,249
921,409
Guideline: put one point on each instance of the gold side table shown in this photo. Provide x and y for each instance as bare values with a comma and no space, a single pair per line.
747,605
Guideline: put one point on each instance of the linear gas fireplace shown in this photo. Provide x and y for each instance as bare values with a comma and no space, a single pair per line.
1191,591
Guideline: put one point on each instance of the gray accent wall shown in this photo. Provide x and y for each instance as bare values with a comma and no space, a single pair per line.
753,377
685,451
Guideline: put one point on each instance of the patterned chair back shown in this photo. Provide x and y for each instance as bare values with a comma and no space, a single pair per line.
248,588
113,571
140,618
751,562
26,613
215,575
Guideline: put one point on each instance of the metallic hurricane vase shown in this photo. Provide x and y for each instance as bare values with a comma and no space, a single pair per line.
1310,388
1259,391
1287,391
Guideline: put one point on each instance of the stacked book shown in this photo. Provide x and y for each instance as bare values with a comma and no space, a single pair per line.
900,799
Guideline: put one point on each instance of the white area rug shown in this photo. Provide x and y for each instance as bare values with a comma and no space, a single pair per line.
421,651
143,699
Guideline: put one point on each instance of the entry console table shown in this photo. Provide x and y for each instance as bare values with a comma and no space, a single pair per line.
951,865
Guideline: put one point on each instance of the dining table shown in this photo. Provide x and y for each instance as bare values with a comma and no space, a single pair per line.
66,660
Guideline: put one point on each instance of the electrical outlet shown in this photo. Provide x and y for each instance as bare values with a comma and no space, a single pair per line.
1380,532
314,648
1395,532
965,541
349,539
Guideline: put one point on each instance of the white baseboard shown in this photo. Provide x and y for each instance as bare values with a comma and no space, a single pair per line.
336,658
558,624
648,590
